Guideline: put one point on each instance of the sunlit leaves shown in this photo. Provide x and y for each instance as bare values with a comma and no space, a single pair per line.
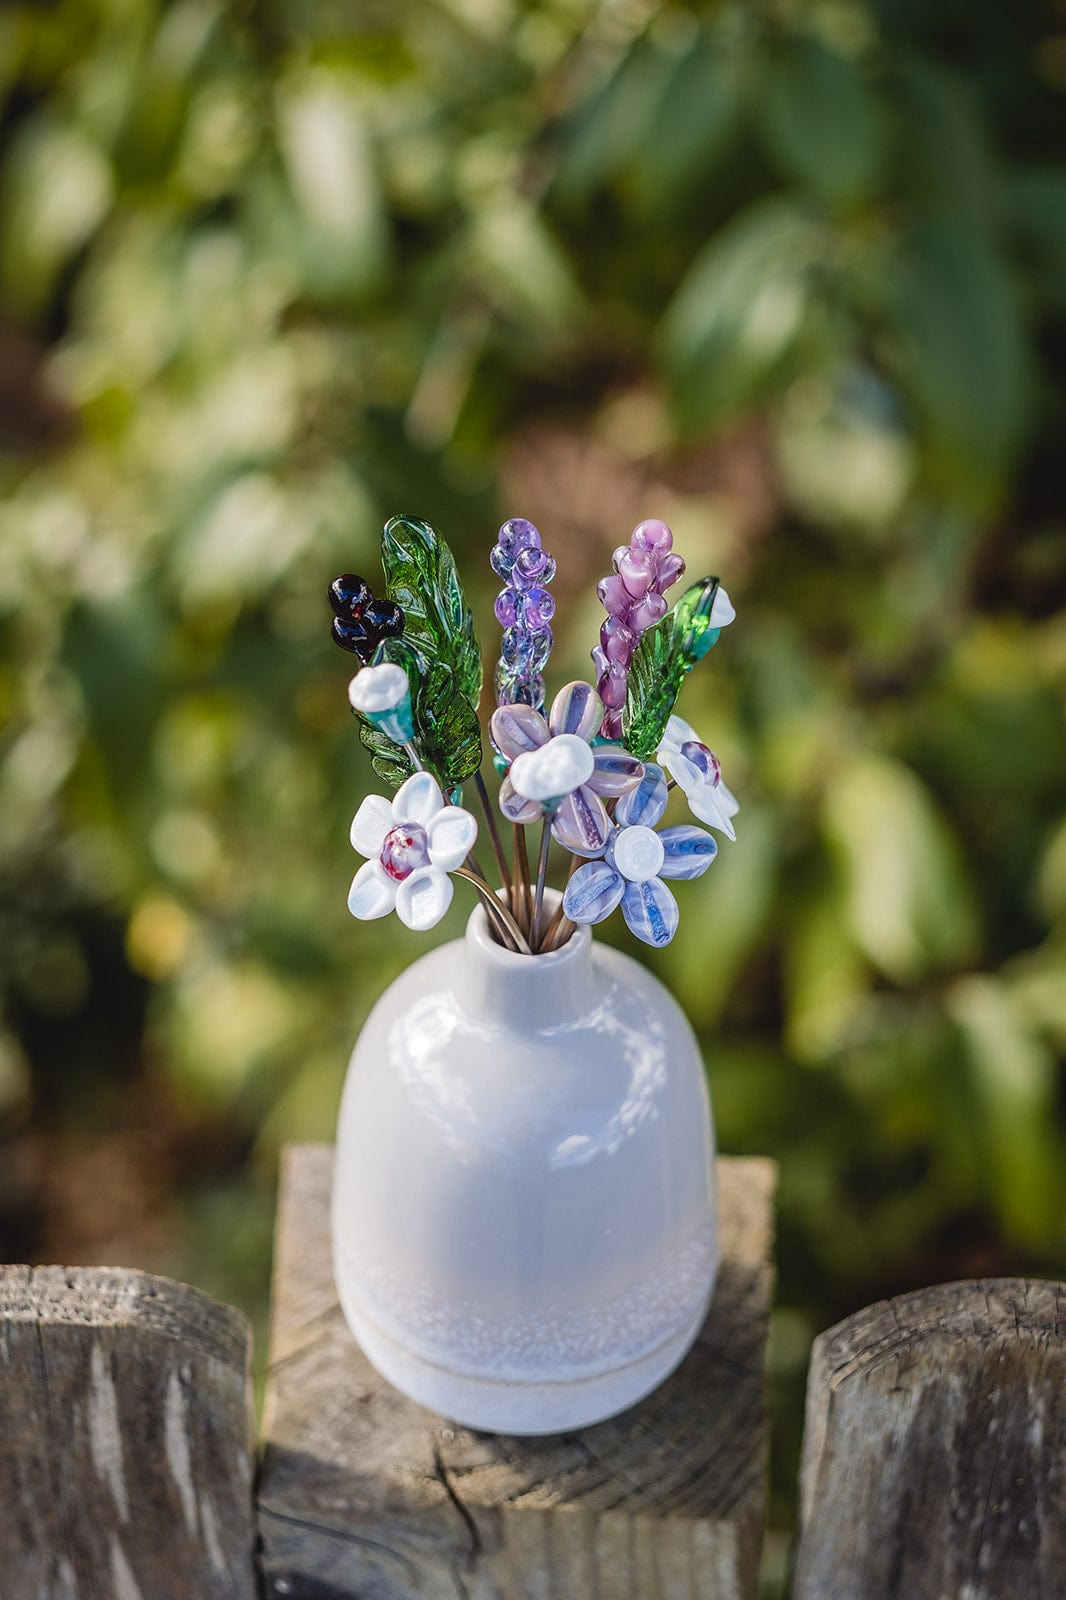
909,907
1010,1093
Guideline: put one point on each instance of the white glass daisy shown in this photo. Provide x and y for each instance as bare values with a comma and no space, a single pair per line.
696,770
412,843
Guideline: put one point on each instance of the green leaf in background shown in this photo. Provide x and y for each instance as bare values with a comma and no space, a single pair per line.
963,355
447,730
663,658
734,323
420,576
821,120
1012,1084
909,907
696,116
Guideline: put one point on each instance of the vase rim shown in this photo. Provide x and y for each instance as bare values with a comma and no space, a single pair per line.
488,948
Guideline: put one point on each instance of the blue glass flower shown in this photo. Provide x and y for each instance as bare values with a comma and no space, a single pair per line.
636,859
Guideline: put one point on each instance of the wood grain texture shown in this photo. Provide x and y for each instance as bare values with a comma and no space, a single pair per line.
363,1493
934,1460
126,1447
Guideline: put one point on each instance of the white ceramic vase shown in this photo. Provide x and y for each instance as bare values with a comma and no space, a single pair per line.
523,1206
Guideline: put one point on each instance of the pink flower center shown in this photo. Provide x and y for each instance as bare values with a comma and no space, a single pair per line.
405,849
704,759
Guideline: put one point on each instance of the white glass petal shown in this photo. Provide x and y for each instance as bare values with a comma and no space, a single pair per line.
556,769
378,688
705,802
686,773
370,825
722,612
423,898
727,800
417,800
452,836
372,894
678,732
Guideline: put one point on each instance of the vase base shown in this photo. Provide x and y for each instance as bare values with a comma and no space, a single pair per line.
499,1405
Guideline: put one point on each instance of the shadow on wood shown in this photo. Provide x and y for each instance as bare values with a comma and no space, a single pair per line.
363,1493
934,1459
126,1448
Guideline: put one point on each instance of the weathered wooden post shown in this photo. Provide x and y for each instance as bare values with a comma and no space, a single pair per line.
934,1459
126,1448
364,1494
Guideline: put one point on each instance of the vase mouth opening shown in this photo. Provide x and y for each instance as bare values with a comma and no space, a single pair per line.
484,939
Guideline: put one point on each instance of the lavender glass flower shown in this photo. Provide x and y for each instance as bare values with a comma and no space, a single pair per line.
524,609
554,769
635,861
633,596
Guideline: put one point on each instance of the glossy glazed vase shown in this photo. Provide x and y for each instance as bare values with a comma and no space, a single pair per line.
523,1206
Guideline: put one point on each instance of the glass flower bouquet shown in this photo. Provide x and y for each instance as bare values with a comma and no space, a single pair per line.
524,1232
595,771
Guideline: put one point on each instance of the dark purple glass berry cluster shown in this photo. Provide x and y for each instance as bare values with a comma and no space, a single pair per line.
359,621
524,609
633,596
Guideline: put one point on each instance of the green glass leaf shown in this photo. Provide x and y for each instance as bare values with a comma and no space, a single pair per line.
661,662
420,576
447,730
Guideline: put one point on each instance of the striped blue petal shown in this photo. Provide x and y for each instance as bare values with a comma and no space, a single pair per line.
643,806
593,892
688,851
650,911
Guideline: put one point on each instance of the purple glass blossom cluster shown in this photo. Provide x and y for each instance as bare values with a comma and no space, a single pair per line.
633,597
524,609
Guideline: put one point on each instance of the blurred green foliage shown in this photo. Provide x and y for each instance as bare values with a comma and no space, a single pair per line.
791,275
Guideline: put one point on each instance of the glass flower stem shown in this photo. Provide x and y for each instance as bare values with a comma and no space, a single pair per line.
542,873
413,757
494,835
492,906
561,935
495,909
555,934
522,871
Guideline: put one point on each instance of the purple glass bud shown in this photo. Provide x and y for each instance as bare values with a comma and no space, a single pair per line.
506,608
636,568
652,535
517,534
501,561
532,567
538,607
617,640
599,660
647,612
612,687
516,650
669,569
614,595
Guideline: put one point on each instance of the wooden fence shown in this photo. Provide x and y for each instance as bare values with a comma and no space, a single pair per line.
934,1460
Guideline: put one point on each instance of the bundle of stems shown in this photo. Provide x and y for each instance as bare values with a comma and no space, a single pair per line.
517,913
